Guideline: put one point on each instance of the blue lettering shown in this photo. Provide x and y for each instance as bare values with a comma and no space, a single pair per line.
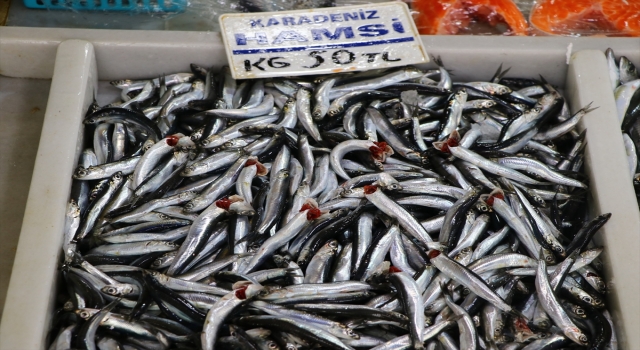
255,23
397,26
371,30
289,35
260,38
372,14
303,19
348,16
288,21
335,17
320,18
318,33
362,15
272,22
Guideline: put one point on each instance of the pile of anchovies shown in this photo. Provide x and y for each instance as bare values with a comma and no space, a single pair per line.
388,209
625,82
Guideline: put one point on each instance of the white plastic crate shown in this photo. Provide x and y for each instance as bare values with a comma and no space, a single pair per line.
30,299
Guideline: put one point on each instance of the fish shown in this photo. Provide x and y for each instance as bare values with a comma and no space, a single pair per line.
387,209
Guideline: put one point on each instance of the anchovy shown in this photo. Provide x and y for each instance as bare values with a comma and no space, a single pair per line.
245,112
406,220
550,304
222,308
280,238
386,209
412,303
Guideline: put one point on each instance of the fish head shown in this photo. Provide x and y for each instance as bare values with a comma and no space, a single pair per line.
86,314
281,260
117,290
502,90
349,332
91,120
81,172
121,84
576,335
249,291
353,193
116,179
482,206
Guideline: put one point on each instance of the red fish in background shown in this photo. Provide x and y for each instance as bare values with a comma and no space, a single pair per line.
469,17
587,17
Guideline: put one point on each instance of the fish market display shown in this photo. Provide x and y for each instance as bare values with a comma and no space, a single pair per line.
625,83
392,209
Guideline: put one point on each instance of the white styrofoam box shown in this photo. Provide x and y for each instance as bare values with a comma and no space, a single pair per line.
32,289
130,54
611,188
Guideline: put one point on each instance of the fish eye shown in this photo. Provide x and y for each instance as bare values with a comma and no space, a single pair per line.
579,311
84,314
587,299
68,306
272,345
583,338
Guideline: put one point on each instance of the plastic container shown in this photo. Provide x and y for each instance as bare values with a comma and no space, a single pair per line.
30,300
109,5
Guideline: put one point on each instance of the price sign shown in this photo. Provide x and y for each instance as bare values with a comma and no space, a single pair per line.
321,41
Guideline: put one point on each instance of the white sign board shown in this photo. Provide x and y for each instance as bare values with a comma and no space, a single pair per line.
321,41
